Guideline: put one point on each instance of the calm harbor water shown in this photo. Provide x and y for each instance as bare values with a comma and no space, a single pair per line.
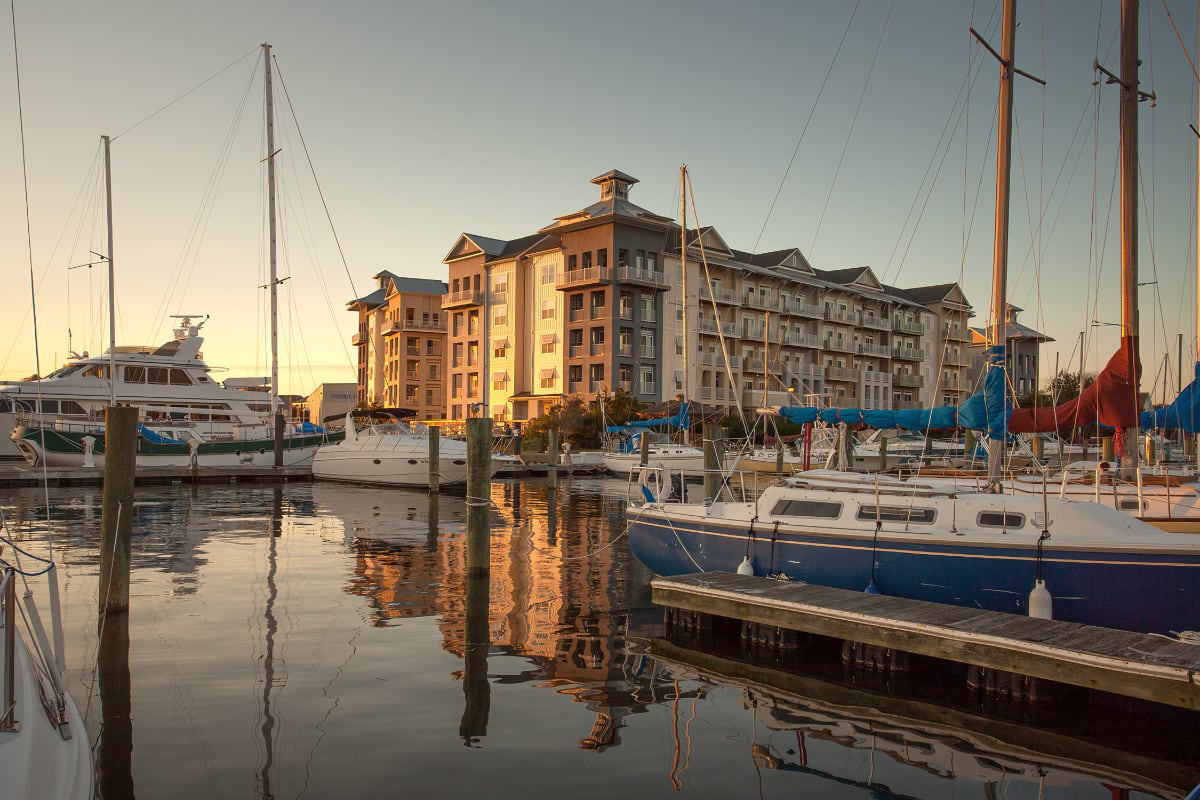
311,640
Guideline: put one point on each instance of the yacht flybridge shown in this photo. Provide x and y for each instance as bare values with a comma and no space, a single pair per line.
186,415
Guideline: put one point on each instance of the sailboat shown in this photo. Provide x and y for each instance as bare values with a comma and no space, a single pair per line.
929,539
186,418
622,453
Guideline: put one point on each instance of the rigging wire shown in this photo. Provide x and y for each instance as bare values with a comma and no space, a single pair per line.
846,141
811,112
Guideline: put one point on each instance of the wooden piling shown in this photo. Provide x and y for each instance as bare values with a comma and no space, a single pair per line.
1109,451
883,454
479,480
114,751
712,460
644,451
1039,448
1151,450
552,469
435,460
116,518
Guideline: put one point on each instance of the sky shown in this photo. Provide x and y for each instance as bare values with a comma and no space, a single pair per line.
862,133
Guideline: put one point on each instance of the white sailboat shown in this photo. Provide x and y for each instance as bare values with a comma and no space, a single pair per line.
934,539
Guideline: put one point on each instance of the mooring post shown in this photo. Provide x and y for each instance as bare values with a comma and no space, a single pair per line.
114,751
116,518
479,479
552,467
1038,444
1109,451
712,460
517,440
883,454
435,459
643,450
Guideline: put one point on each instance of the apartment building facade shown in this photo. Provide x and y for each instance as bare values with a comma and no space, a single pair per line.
401,345
598,301
1021,356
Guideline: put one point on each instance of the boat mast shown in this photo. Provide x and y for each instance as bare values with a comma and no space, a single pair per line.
276,411
687,383
999,327
1129,213
112,313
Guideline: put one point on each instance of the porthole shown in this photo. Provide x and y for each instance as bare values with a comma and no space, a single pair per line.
1000,519
412,461
376,462
459,462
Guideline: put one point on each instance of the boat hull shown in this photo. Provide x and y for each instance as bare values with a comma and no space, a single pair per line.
68,449
1125,589
682,459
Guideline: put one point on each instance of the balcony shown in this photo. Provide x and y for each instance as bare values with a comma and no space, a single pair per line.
595,386
596,349
881,350
753,331
425,325
470,297
844,374
648,387
907,379
359,339
625,351
390,327
580,278
754,300
576,315
914,328
625,386
840,345
642,277
753,398
626,313
709,327
719,296
841,315
908,353
811,373
875,323
648,352
752,364
575,351
598,312
905,405
955,333
712,359
804,309
956,358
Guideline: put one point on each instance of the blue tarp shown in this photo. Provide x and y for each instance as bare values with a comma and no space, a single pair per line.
1182,414
156,438
680,420
986,410
308,427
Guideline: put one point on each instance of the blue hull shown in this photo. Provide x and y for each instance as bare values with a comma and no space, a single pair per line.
1157,593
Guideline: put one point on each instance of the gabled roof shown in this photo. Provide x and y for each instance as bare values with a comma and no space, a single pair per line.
859,277
938,293
472,244
614,203
418,286
526,245
372,300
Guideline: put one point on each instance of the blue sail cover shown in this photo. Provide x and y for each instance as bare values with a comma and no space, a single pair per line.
1182,414
986,410
680,420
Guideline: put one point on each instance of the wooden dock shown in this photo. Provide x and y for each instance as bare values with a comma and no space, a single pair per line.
1143,666
14,475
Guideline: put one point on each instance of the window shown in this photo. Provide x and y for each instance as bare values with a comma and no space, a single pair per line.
547,275
641,260
549,342
457,355
586,260
472,354
501,350
547,377
622,257
135,374
456,386
575,374
807,508
500,283
1000,519
921,516
602,257
500,381
572,260
472,323
431,347
647,380
652,262
549,307
500,316
473,385
433,372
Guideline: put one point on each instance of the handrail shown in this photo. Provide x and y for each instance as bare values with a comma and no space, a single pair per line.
8,721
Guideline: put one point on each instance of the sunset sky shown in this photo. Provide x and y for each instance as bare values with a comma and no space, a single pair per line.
864,134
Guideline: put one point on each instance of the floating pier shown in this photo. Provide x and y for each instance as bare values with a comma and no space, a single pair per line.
1158,669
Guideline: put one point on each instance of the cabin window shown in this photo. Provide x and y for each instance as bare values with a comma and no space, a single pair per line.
70,407
135,374
1000,519
807,508
921,516
157,375
96,371
1131,504
180,378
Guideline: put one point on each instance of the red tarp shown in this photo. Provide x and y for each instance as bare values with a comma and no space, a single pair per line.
1111,400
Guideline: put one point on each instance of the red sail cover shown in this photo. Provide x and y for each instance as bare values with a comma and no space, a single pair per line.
1111,400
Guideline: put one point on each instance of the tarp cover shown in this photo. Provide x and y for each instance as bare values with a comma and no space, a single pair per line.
1183,414
983,411
1111,400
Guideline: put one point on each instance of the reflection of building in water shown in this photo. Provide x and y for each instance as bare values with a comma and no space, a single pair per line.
558,591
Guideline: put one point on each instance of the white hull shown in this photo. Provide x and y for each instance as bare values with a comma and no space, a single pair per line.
250,457
36,763
674,458
391,455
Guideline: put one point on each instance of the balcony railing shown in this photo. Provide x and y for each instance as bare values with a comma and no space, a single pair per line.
875,350
596,349
755,300
804,309
625,350
645,277
908,379
626,312
719,296
591,276
840,315
471,297
390,327
840,345
598,312
647,352
577,315
908,353
877,323
841,374
648,387
574,351
914,328
359,339
711,328
752,331
626,386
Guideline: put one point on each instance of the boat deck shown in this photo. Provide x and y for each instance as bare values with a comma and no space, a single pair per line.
1159,669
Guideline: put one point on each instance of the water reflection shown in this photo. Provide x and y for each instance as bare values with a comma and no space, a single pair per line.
328,641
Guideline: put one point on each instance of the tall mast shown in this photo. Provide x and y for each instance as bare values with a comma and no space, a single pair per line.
112,294
276,411
1000,253
1129,214
687,384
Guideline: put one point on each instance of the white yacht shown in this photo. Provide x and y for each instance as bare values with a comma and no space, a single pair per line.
186,416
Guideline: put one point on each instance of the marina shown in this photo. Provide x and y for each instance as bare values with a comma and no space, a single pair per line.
308,638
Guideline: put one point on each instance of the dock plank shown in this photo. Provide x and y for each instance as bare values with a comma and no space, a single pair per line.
1137,665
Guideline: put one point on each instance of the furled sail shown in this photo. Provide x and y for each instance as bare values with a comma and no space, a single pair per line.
1111,400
